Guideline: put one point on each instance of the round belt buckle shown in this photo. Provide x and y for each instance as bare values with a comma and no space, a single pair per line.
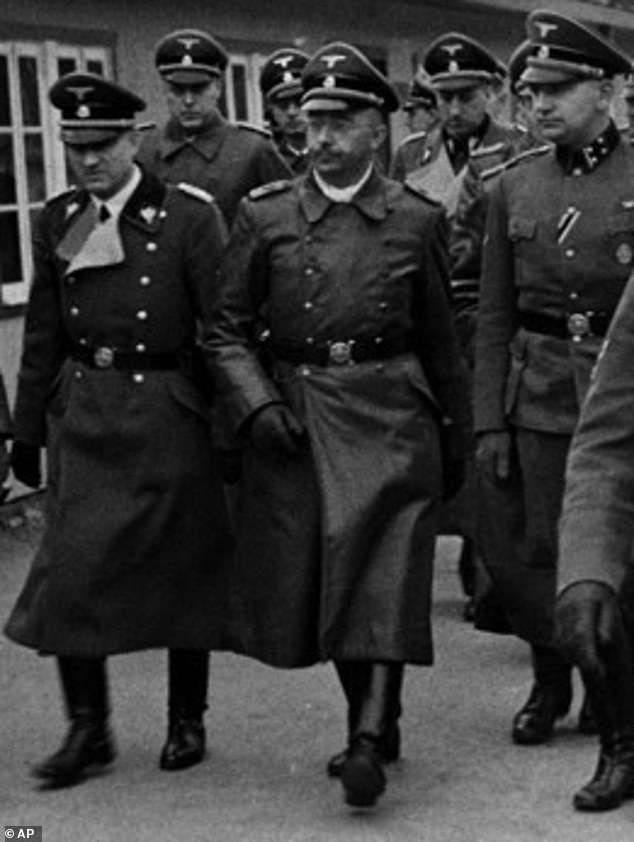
340,353
578,325
103,357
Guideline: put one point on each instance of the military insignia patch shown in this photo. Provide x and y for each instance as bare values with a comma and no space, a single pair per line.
148,213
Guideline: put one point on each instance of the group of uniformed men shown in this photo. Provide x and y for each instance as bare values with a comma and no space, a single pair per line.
362,337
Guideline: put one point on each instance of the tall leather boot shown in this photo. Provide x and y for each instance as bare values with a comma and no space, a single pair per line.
549,699
188,675
355,678
612,698
362,776
88,741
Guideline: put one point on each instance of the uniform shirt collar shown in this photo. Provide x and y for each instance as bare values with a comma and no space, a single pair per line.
116,203
344,195
371,197
587,159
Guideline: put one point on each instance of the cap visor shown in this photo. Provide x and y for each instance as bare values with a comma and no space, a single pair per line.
459,81
87,136
546,76
190,77
327,104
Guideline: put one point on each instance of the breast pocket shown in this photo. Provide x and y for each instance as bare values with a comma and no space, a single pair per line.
521,229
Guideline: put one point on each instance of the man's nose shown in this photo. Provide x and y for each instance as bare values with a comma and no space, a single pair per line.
189,97
89,158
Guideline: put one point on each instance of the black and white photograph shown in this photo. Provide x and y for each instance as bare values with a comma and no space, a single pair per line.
317,420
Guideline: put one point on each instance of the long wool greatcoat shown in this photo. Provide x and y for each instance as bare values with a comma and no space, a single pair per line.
225,159
137,535
335,545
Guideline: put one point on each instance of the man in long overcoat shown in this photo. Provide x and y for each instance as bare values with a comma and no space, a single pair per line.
137,533
558,252
341,409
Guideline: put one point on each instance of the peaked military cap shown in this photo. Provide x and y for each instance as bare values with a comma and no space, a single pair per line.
93,109
190,56
339,76
456,61
564,49
420,92
281,74
517,65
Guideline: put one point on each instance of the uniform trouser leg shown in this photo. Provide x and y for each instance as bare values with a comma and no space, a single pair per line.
88,741
188,676
356,681
611,694
362,775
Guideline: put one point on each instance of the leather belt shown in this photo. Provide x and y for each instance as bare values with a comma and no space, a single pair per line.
340,351
104,357
573,326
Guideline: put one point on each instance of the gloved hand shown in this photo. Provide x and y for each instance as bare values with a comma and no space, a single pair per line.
275,429
493,454
25,463
586,616
230,466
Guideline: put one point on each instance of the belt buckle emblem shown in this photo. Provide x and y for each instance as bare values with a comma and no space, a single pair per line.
340,353
103,357
578,325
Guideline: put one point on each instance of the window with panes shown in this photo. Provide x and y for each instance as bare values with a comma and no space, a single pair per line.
32,164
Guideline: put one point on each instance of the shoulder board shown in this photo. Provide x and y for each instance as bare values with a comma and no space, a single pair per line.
250,127
518,159
270,189
65,195
421,193
481,151
196,192
415,136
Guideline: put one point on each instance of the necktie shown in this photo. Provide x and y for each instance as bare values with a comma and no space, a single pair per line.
104,213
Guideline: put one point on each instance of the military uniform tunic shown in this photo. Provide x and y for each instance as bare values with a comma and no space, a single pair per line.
334,556
559,250
424,160
225,159
137,534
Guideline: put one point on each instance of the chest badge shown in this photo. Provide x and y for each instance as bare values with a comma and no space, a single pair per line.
148,214
624,254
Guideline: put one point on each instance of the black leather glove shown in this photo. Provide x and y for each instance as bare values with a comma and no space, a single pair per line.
230,466
586,623
275,429
25,463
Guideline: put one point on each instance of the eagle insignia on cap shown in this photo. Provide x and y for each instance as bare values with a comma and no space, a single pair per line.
545,28
82,92
283,61
452,49
148,213
331,60
188,43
